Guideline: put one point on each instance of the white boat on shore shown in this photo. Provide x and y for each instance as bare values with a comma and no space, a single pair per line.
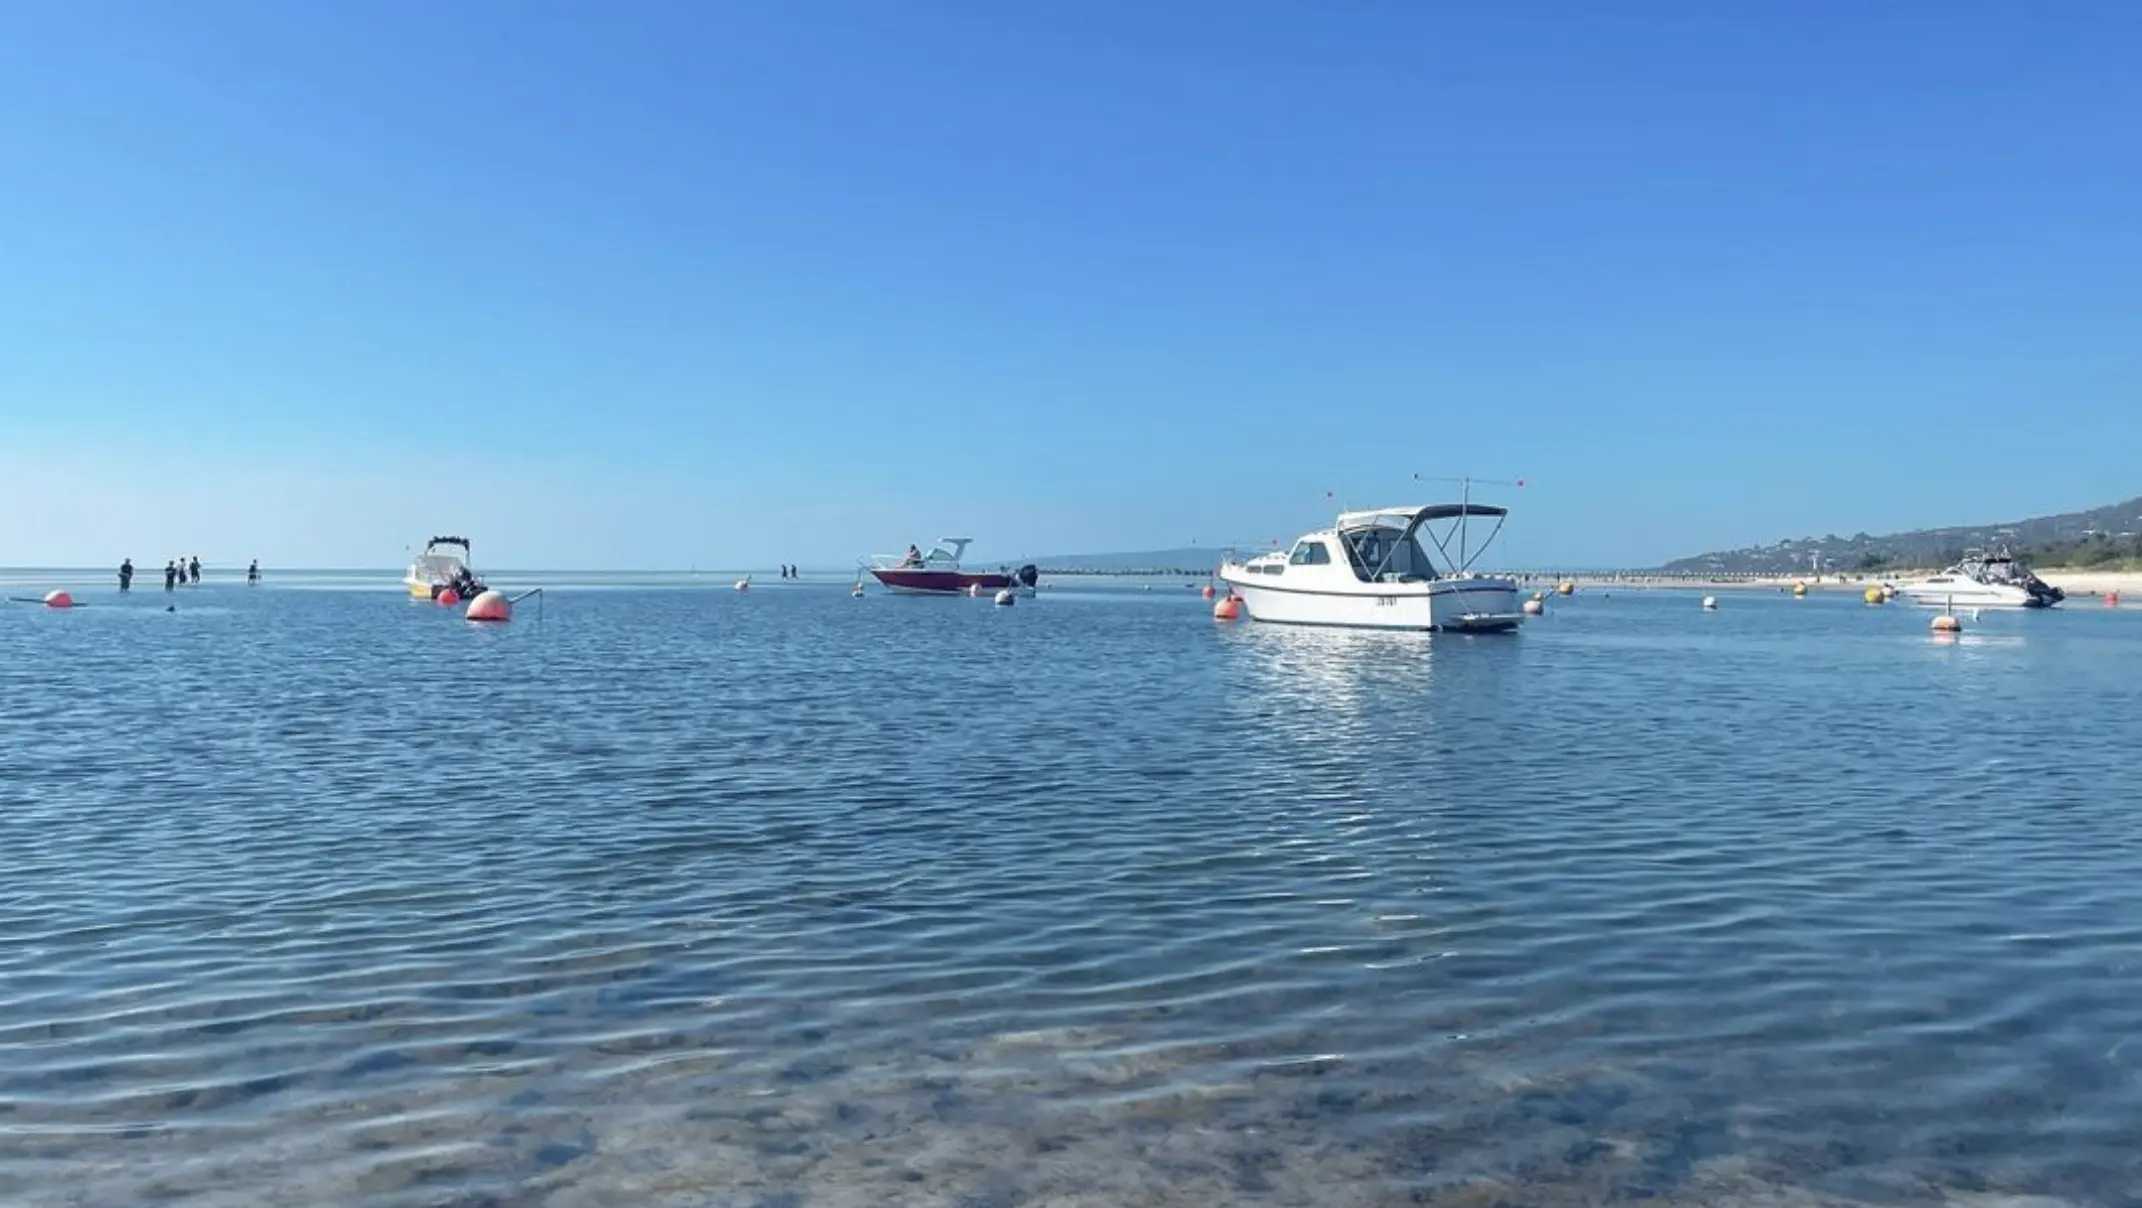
1369,571
1984,580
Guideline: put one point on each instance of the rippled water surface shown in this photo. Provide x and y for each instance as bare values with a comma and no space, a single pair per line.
696,898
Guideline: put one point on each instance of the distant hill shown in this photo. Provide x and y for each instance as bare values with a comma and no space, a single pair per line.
2100,536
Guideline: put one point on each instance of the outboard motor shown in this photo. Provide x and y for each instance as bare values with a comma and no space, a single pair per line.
1027,576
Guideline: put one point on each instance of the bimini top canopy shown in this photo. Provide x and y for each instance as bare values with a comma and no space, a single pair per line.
1419,515
463,542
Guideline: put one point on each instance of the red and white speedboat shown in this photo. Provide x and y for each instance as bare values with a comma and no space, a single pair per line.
938,573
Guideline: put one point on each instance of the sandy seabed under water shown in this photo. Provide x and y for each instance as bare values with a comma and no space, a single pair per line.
1069,1118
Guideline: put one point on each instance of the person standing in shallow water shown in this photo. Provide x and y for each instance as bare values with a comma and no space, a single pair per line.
195,570
170,575
126,575
252,572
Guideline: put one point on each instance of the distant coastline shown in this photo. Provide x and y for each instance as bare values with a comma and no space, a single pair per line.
2103,539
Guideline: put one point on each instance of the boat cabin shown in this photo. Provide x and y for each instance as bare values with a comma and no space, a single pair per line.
1383,546
440,562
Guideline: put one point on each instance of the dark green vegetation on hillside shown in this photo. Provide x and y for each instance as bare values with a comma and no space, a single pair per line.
2107,538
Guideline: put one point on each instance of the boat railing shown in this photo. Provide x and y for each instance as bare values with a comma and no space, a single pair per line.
934,560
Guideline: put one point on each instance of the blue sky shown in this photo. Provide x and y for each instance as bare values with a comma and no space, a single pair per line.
652,284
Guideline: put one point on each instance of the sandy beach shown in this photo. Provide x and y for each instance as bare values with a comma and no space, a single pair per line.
2073,582
2095,582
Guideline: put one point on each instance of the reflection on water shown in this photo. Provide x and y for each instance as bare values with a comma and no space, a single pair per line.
694,898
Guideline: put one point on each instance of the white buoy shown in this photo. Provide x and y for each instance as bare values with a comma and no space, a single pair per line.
1534,608
1005,598
1710,603
744,584
974,591
858,592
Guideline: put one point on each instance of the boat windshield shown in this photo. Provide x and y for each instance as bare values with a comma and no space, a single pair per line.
1398,555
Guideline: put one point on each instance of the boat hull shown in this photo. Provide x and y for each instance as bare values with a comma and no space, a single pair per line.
1971,595
939,582
429,591
1441,606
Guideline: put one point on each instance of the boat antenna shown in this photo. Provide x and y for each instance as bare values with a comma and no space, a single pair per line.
1465,498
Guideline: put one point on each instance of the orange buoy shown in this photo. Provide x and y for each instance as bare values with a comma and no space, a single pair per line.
1227,609
1209,593
449,598
58,599
1948,623
2112,599
491,606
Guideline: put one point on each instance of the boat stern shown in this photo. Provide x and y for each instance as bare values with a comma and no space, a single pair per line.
1478,606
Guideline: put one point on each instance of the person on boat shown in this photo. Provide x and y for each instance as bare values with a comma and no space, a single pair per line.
914,557
170,575
195,570
126,575
252,572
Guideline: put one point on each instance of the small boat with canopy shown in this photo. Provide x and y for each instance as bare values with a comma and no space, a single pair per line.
444,564
1985,580
1369,570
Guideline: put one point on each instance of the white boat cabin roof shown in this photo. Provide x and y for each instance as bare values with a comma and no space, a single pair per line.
1381,540
1403,516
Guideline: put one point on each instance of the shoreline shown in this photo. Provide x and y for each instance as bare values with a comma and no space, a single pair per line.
2087,583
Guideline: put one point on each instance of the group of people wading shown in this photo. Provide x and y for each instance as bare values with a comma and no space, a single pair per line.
179,571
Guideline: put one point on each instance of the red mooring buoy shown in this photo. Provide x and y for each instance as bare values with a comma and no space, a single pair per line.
491,606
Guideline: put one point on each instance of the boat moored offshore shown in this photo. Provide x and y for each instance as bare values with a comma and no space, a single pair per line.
1984,580
1369,571
440,567
939,573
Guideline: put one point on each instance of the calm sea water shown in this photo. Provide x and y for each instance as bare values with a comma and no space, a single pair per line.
688,897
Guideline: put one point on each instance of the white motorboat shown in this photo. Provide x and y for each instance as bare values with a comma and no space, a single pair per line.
1984,580
440,567
1369,571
